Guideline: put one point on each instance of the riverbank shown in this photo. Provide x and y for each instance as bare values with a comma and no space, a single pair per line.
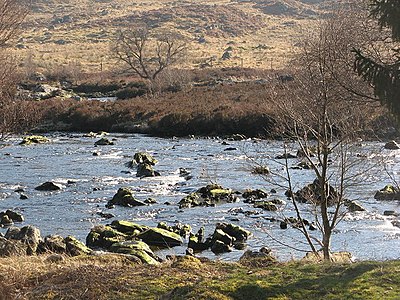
204,103
115,277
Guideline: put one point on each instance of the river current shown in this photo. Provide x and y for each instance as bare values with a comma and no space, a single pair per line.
89,181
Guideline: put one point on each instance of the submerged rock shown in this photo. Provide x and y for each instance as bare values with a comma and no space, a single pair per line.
389,192
34,139
124,197
48,186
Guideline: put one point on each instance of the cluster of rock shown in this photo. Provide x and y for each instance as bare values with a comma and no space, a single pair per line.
28,241
135,240
9,217
389,192
224,239
256,197
209,195
144,163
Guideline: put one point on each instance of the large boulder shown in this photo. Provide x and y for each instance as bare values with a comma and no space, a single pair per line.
124,197
104,236
28,235
239,233
138,249
48,186
389,192
12,215
34,139
311,194
144,158
160,237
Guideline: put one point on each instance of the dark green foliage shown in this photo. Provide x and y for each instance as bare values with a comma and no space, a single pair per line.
387,12
385,78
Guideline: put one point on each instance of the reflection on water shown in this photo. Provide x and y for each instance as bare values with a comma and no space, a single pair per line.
89,181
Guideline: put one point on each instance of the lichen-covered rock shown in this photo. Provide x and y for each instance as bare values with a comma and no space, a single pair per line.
138,249
103,237
128,228
124,197
389,192
160,237
48,186
76,247
34,139
104,142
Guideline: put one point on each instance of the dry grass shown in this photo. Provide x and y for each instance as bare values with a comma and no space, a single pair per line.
257,39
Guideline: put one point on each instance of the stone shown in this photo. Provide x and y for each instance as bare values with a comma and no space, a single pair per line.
124,197
14,216
11,248
48,186
354,206
104,236
239,233
6,220
160,237
390,213
392,145
260,258
254,194
144,158
104,142
34,139
76,247
219,247
146,170
197,244
28,235
310,194
138,249
389,192
52,243
127,227
22,196
266,205
220,235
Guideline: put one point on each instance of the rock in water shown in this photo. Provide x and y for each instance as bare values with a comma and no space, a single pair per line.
389,192
103,142
48,186
160,237
392,145
34,139
124,197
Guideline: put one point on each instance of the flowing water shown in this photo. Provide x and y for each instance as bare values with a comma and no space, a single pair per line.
89,181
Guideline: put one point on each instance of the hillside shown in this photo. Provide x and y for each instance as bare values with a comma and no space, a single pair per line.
77,33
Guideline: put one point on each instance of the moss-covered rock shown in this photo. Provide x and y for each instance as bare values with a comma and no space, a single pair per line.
389,192
146,170
124,197
144,158
209,195
138,249
104,236
52,243
197,243
127,227
34,139
160,237
76,247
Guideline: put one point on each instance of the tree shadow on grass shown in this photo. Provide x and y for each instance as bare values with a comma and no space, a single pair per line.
333,283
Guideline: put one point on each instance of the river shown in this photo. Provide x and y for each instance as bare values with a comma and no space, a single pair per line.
89,181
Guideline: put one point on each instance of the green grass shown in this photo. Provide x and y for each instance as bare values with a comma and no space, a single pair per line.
112,277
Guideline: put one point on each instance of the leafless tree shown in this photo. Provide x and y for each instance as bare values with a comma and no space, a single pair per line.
324,110
12,14
146,54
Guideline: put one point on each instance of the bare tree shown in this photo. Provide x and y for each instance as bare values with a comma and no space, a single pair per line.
14,114
323,113
148,55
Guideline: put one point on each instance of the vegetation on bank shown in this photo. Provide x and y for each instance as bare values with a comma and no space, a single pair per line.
115,277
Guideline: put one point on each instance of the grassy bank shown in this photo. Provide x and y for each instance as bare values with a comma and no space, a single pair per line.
111,277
